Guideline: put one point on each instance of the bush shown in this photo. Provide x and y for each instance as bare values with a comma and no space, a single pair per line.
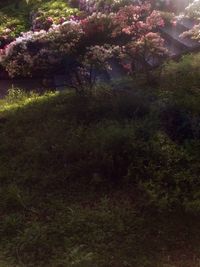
180,113
169,176
175,75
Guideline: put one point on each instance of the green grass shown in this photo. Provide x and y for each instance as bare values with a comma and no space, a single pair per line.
83,182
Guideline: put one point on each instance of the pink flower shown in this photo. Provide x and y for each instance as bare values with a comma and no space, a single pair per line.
49,19
174,23
127,66
62,20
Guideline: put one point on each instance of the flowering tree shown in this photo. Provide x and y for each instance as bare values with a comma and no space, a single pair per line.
139,23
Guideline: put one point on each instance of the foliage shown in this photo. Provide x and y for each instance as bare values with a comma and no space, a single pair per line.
13,22
175,75
51,12
168,17
180,117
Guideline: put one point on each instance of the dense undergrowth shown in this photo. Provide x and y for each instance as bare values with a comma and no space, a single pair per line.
109,179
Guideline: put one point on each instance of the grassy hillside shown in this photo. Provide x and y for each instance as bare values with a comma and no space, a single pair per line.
106,180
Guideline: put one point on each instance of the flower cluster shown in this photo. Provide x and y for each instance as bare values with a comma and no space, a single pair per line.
98,27
105,6
193,11
194,33
42,50
136,20
146,47
98,56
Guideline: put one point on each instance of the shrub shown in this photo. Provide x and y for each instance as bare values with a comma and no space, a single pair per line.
180,112
36,51
175,75
166,176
